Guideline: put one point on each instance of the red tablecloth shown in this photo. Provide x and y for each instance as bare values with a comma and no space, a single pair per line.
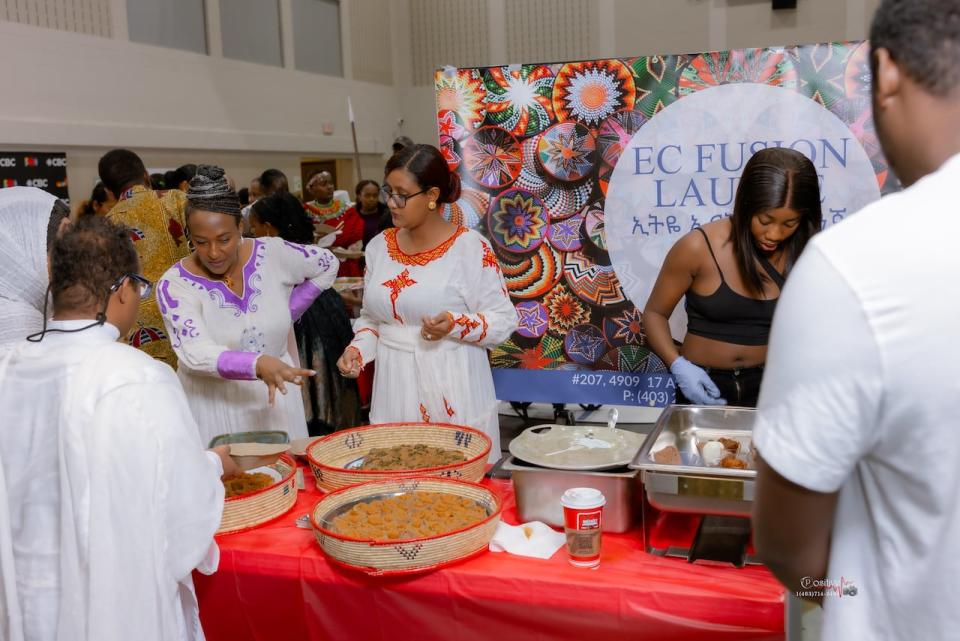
275,584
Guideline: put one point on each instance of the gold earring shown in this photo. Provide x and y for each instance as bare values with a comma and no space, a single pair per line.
432,205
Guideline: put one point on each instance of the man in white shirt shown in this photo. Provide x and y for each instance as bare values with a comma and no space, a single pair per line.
110,500
858,485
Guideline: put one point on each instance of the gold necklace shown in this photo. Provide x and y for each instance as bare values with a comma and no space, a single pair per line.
227,279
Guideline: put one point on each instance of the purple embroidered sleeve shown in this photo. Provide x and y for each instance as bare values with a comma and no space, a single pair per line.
237,366
302,297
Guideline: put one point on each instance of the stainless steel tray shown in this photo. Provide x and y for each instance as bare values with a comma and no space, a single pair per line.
691,486
538,491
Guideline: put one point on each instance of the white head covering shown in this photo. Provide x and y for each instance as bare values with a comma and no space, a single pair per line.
24,216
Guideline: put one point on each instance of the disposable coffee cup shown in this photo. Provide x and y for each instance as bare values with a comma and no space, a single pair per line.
583,520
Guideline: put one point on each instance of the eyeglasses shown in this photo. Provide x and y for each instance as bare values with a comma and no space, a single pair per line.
399,200
145,286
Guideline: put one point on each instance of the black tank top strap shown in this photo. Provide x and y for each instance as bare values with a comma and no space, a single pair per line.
772,273
712,255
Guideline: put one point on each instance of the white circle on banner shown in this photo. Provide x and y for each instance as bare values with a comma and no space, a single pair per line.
682,168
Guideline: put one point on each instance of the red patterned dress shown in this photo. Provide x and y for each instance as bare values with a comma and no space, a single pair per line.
446,381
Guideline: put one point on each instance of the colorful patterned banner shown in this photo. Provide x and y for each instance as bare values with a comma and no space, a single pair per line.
583,174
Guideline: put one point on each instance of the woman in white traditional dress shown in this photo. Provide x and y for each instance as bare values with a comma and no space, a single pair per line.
434,302
229,308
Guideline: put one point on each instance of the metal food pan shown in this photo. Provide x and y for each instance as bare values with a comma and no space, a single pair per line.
691,486
538,491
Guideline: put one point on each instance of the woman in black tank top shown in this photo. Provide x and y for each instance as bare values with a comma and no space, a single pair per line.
731,272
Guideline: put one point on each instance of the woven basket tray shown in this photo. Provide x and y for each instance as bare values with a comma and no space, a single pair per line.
379,558
256,508
330,455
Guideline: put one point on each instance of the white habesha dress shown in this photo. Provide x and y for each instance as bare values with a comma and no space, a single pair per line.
449,380
218,335
111,501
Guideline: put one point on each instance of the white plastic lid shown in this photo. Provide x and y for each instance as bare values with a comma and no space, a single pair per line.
583,497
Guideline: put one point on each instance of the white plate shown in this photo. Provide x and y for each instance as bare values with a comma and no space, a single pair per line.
269,471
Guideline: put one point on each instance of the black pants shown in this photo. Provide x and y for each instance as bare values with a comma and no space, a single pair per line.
739,387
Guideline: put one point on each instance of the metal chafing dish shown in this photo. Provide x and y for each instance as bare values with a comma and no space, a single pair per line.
691,486
547,460
538,491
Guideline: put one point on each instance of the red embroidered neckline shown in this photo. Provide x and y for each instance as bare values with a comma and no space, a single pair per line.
423,258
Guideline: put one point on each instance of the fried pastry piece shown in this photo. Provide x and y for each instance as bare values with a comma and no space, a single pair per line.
732,462
668,455
729,444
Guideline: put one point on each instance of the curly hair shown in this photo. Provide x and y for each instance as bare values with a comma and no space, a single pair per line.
58,213
287,216
86,260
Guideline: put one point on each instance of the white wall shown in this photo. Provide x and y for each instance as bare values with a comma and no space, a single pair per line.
61,93
86,93
637,27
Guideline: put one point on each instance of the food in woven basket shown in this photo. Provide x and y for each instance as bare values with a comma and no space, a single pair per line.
409,516
246,483
410,457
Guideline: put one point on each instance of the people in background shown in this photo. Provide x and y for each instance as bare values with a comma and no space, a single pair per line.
324,330
170,178
108,454
184,174
30,220
244,197
230,307
858,474
157,181
272,181
256,191
434,301
156,222
401,142
100,203
374,214
325,208
731,272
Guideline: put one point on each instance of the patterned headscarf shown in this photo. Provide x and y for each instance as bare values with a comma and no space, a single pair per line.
24,217
209,191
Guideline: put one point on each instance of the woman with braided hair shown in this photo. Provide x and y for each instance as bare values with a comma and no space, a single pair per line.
229,309
323,332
